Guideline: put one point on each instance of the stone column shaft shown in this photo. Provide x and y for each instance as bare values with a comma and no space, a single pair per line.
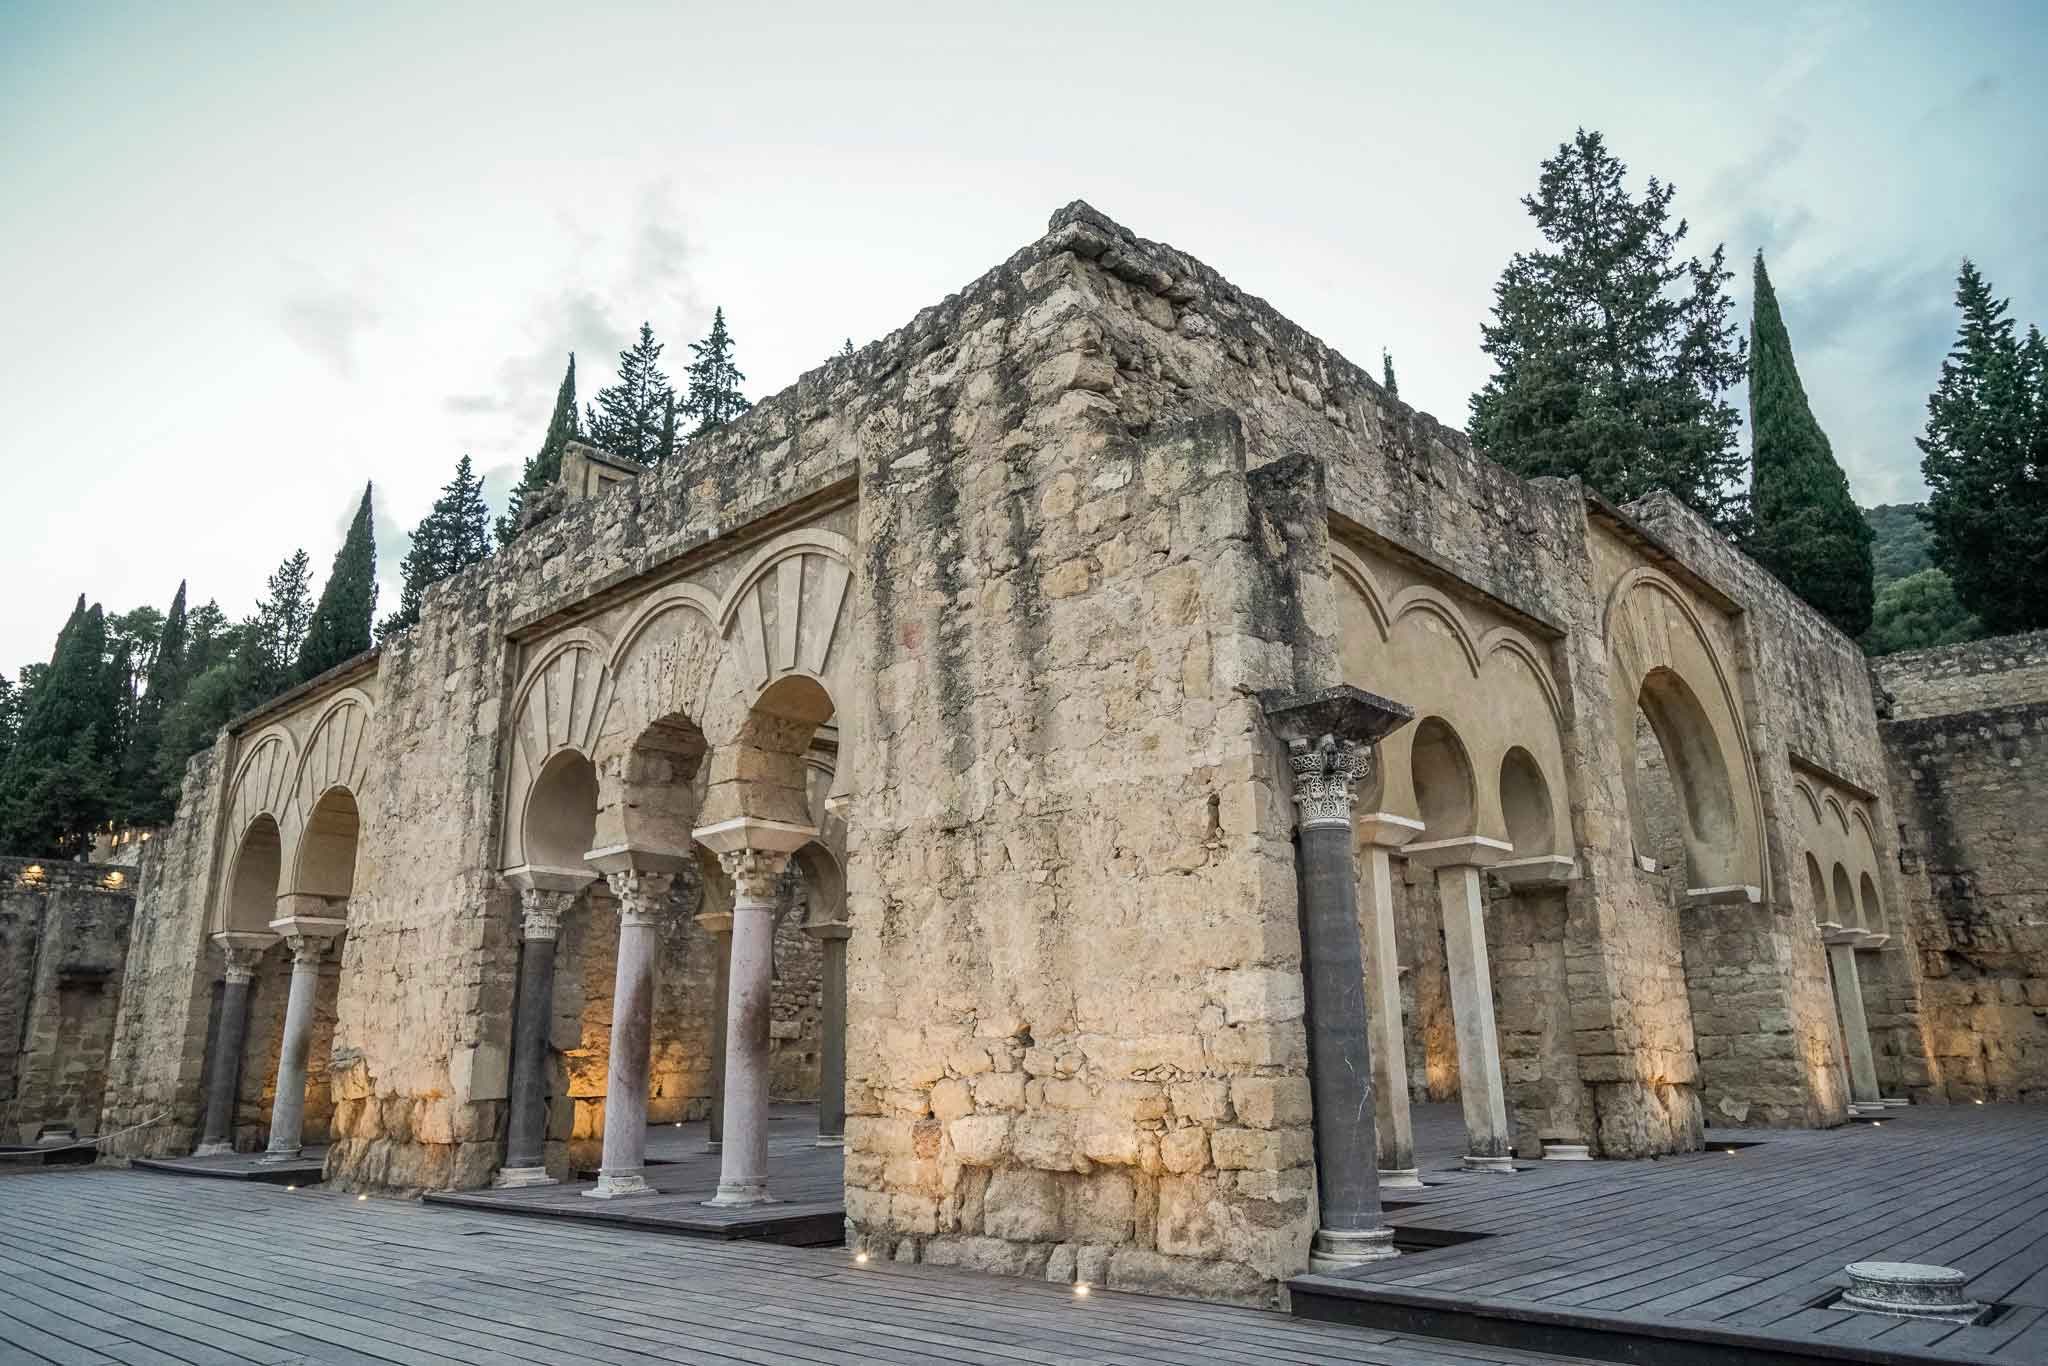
1462,897
642,898
743,1156
288,1111
1392,1121
721,1002
1855,1025
832,1047
527,1127
218,1136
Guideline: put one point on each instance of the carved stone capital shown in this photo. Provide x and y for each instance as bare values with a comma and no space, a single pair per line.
642,896
542,911
754,873
308,950
241,962
1326,775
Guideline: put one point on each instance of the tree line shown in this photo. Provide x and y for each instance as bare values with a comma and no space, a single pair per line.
1615,356
98,737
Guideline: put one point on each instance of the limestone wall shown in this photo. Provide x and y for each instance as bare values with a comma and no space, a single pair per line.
63,944
1967,750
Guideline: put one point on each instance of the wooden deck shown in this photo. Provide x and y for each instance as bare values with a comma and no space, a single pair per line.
308,1169
1724,1255
806,1181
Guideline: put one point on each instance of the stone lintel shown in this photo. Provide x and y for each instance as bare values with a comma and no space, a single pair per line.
1343,712
637,858
1538,872
1388,830
537,877
1731,894
309,926
752,832
830,929
1466,851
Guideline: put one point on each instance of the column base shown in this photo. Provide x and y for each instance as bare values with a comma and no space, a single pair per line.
509,1178
831,1140
1400,1178
214,1150
1866,1107
741,1195
1566,1152
1335,1249
1894,1102
1472,1162
274,1156
618,1185
712,1145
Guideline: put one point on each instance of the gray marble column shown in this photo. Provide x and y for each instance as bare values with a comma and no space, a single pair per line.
719,925
309,938
1482,1090
832,937
241,952
1329,739
643,901
1842,945
743,1158
526,1136
1385,833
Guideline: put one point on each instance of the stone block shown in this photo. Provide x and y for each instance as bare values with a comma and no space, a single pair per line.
1271,1102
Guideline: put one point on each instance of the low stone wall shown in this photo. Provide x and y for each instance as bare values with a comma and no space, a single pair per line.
1954,679
63,947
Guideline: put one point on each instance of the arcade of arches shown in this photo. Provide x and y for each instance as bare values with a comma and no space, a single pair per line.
1040,739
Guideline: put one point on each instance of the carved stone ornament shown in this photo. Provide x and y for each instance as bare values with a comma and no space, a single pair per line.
542,911
642,897
754,874
241,962
1326,774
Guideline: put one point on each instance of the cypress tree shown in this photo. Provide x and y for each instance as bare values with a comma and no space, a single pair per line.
667,447
1387,373
1613,355
58,785
1807,528
847,349
144,793
627,417
340,628
544,467
715,398
1984,454
450,538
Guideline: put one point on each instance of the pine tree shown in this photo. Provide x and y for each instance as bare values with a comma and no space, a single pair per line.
544,467
450,538
667,446
272,638
715,398
1984,454
847,350
57,789
1806,528
340,629
627,418
1613,356
1387,373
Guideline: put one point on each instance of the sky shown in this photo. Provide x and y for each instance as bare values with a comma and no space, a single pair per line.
253,257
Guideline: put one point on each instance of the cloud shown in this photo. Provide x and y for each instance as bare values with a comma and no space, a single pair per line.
327,323
1982,89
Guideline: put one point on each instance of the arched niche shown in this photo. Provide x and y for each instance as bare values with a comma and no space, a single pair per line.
1871,906
1709,822
560,818
1845,898
253,880
326,862
763,774
1525,805
1446,797
1817,887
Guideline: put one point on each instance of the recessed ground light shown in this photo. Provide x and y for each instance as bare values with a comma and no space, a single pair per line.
860,1256
1080,1290
362,1197
291,1188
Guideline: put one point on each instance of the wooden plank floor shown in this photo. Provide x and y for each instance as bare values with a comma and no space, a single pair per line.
102,1265
305,1170
1749,1239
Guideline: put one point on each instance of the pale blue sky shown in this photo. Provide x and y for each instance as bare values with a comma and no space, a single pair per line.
251,257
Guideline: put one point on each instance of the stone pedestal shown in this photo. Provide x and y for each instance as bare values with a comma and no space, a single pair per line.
309,938
754,854
1384,833
1329,737
240,950
545,896
718,924
1461,895
1842,944
832,937
640,882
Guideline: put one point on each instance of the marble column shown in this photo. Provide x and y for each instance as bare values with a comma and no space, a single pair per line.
1329,739
309,938
1384,833
542,907
1842,945
241,952
832,937
754,854
643,899
719,925
1461,896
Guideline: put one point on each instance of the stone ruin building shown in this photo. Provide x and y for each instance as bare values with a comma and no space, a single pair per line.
967,729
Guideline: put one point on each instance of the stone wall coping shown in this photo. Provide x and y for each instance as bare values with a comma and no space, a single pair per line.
753,832
1728,894
1465,851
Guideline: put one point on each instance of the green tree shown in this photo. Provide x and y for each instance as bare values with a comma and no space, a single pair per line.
1805,526
452,536
1917,612
1613,355
209,638
626,418
1985,458
58,786
1900,541
146,797
847,349
544,466
270,641
340,629
1387,373
715,398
